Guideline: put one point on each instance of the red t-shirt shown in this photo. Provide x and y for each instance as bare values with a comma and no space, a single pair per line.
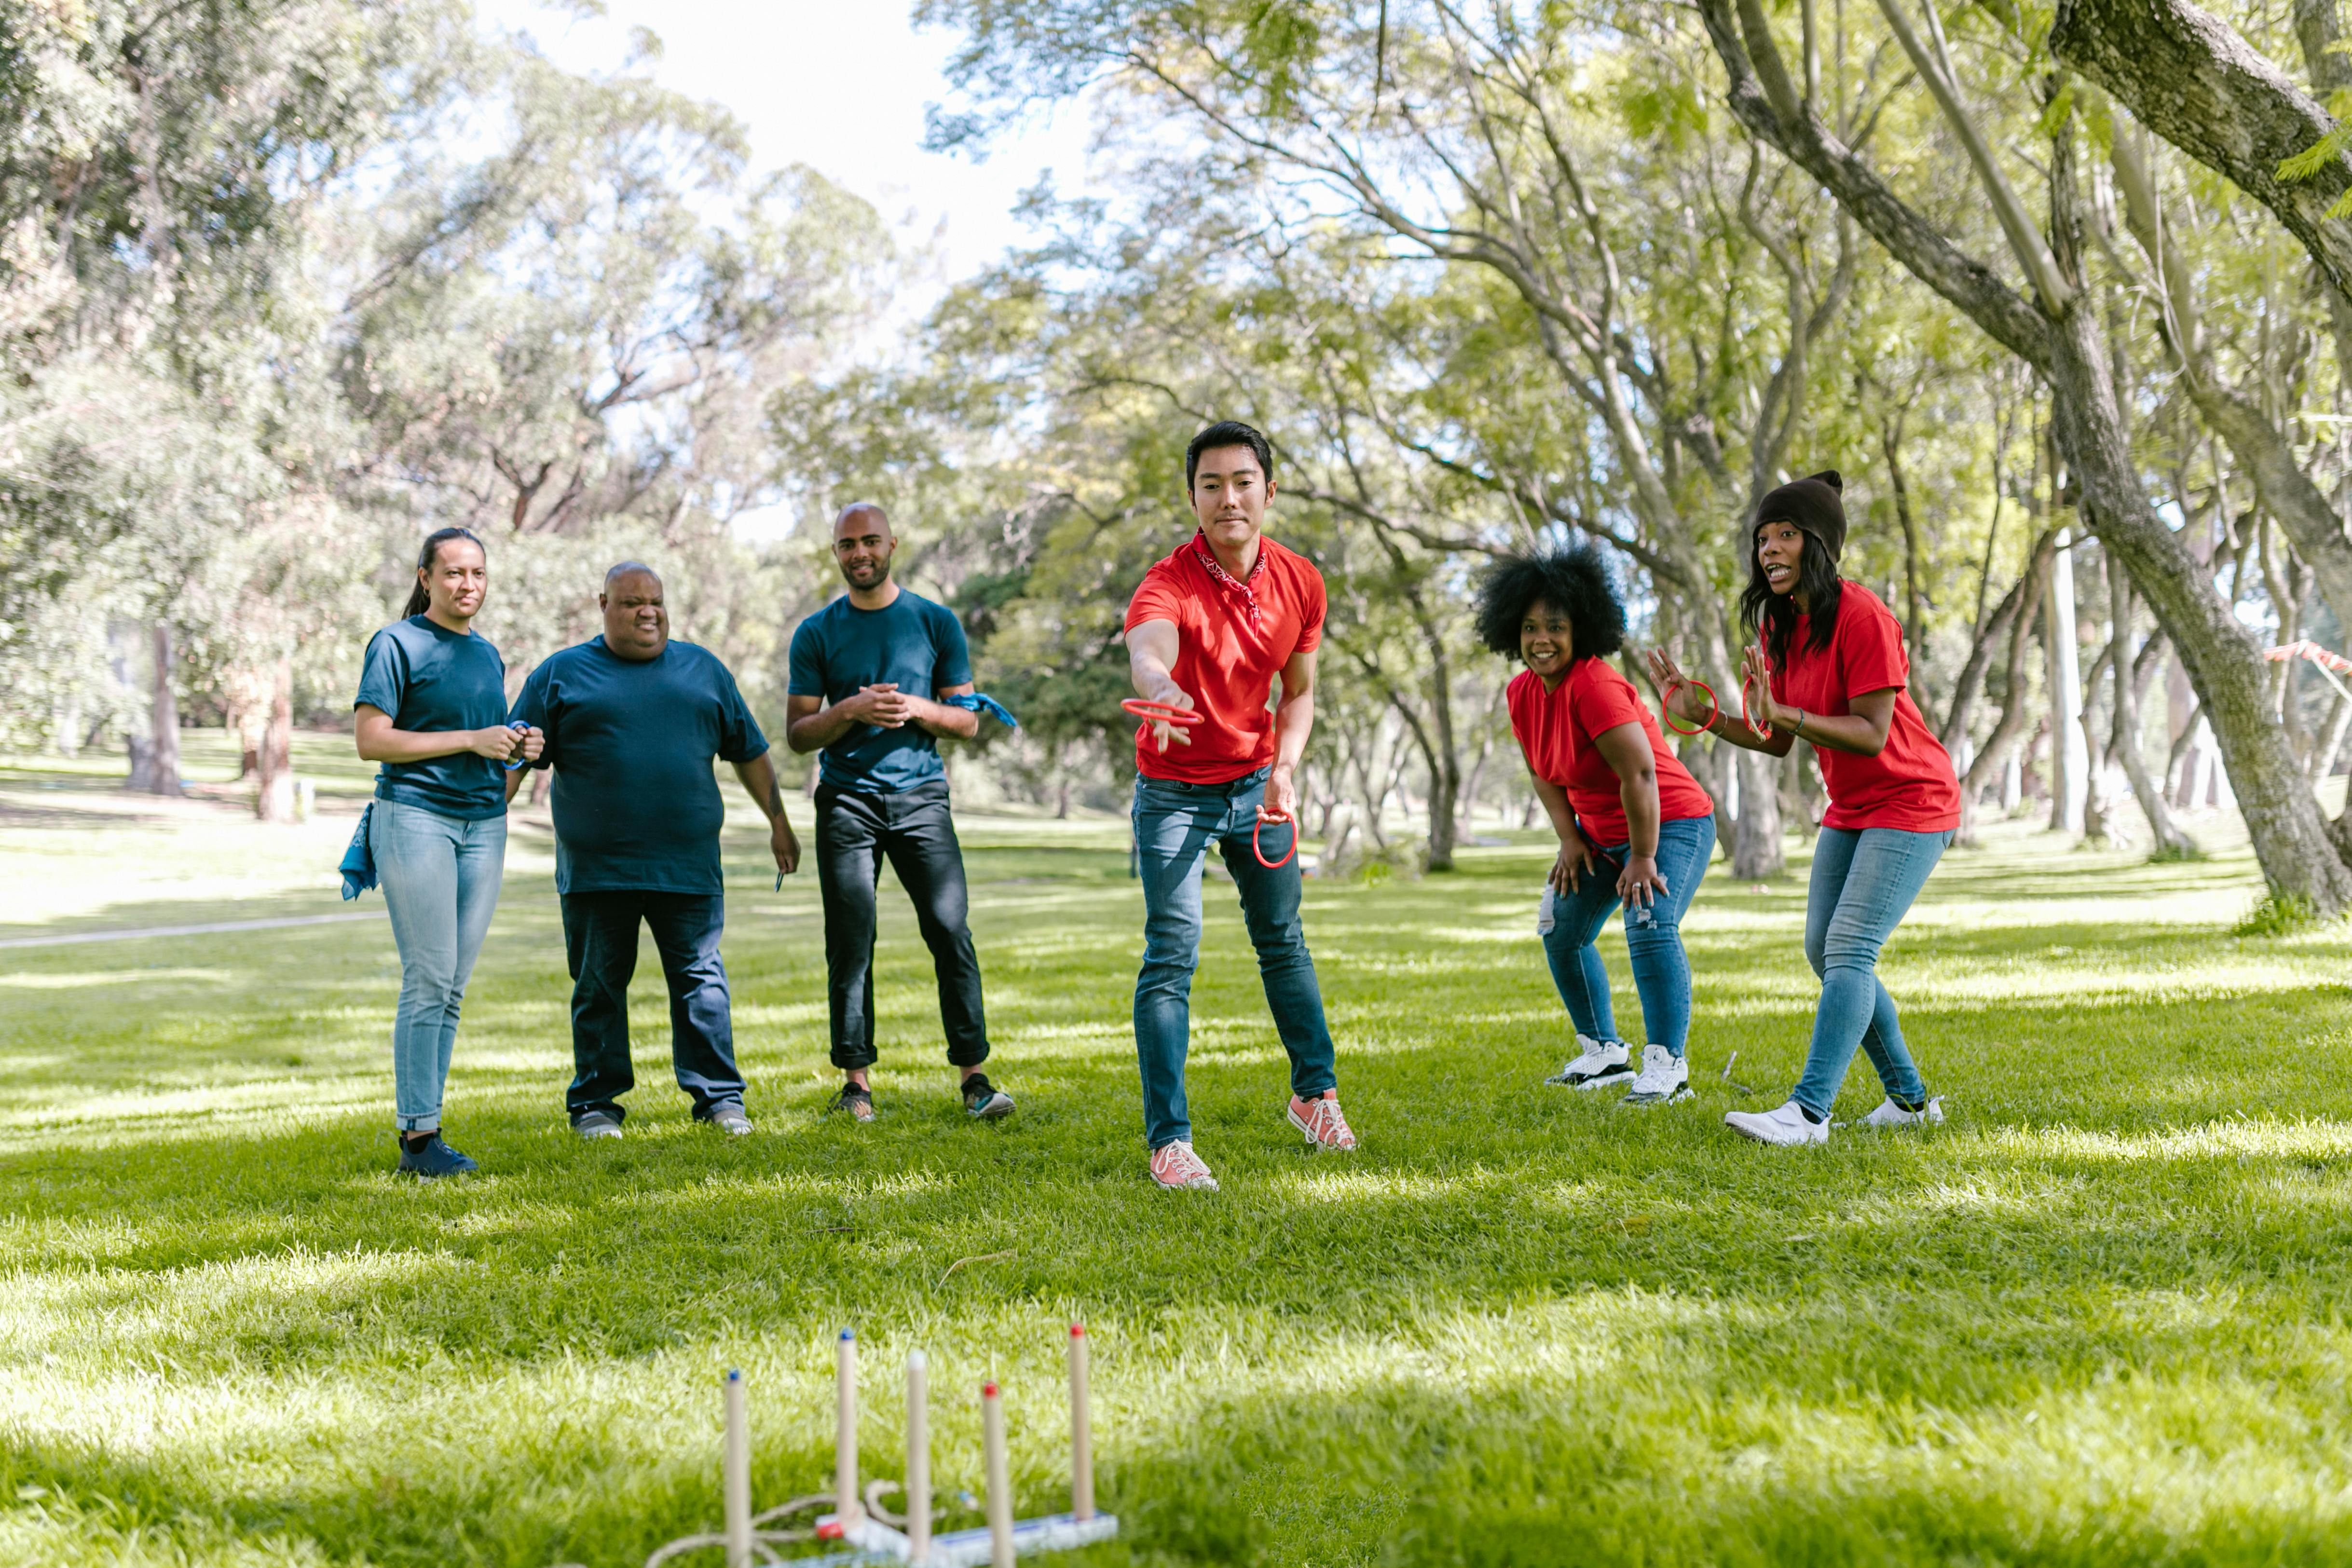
1556,728
1231,640
1909,785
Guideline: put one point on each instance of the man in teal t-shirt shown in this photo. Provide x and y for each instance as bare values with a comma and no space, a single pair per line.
870,675
633,721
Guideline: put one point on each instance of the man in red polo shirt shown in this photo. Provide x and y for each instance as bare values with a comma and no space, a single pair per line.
1209,631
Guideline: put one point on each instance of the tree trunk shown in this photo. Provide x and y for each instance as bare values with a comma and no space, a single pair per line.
273,797
162,761
2283,818
2070,762
2169,839
1755,850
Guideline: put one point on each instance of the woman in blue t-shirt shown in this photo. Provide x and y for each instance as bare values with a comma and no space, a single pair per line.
431,708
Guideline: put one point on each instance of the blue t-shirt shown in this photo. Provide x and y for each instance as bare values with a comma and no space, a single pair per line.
912,642
431,679
636,803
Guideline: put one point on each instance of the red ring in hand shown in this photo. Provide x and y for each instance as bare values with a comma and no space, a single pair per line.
1713,712
1762,731
1263,818
1162,713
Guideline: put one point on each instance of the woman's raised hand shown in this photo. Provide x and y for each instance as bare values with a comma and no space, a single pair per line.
1763,714
1680,694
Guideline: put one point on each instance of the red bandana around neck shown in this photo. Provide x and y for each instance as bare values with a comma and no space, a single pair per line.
1218,572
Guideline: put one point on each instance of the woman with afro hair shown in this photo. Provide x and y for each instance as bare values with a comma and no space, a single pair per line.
1633,825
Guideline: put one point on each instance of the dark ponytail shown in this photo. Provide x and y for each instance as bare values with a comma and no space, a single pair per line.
419,599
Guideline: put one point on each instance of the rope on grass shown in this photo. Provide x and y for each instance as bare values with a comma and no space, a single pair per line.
765,1541
982,1258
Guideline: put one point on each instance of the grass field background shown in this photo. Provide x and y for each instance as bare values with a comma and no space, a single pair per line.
2098,1318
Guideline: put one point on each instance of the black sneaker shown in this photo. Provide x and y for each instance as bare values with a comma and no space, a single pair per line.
434,1158
858,1102
983,1101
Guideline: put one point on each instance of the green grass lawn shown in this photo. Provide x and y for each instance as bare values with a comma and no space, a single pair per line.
2098,1318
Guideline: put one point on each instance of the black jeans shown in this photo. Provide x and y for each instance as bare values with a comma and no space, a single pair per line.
600,940
854,832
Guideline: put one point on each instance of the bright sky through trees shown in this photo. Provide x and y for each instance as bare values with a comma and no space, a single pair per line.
839,87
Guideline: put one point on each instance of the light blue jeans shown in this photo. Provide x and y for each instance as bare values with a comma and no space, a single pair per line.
1654,938
1173,825
440,877
1863,883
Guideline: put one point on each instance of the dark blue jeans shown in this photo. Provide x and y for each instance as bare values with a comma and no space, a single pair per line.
1173,825
600,940
1661,976
914,830
1863,883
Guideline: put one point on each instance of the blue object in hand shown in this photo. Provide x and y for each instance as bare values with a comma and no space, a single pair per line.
977,702
517,760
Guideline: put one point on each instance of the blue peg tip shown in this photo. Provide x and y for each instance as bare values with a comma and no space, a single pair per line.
734,1375
849,1333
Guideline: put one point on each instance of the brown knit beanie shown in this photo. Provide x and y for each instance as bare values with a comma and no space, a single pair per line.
1814,505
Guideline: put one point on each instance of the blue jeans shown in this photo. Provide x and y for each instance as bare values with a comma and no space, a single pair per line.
600,944
1173,825
440,877
1661,974
1863,883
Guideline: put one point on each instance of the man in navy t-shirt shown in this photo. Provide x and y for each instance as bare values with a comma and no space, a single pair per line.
870,674
632,721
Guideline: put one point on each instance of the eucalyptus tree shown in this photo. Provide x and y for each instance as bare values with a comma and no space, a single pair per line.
2057,320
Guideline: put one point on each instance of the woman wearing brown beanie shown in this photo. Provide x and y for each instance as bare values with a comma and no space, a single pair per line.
1828,662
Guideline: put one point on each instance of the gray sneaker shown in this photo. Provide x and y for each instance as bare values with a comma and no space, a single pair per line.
729,1118
983,1101
597,1125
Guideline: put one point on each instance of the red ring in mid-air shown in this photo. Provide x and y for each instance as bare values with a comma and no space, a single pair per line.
1162,713
1713,712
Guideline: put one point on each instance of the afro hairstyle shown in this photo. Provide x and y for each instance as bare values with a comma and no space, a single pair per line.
1574,581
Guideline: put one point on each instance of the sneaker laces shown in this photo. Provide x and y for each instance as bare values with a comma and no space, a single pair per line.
1176,1163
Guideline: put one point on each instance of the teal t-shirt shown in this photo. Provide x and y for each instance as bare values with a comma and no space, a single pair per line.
912,642
431,679
636,802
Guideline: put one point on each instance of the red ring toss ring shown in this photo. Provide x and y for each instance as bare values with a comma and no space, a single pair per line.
1260,853
1713,712
1162,713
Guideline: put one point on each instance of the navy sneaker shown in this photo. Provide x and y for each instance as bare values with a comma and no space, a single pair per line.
434,1158
983,1101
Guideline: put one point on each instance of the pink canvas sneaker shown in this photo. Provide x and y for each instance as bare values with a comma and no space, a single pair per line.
1321,1121
1176,1165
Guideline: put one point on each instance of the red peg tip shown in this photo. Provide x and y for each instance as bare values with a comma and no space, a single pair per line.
1077,1331
829,1531
988,1390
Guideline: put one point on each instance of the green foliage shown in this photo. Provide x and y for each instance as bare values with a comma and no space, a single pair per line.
2277,913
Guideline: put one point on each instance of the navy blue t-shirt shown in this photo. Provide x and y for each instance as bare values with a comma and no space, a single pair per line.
431,679
912,642
636,803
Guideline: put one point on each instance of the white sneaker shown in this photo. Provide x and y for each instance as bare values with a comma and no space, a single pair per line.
1890,1114
1175,1165
1665,1078
1786,1127
1596,1065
